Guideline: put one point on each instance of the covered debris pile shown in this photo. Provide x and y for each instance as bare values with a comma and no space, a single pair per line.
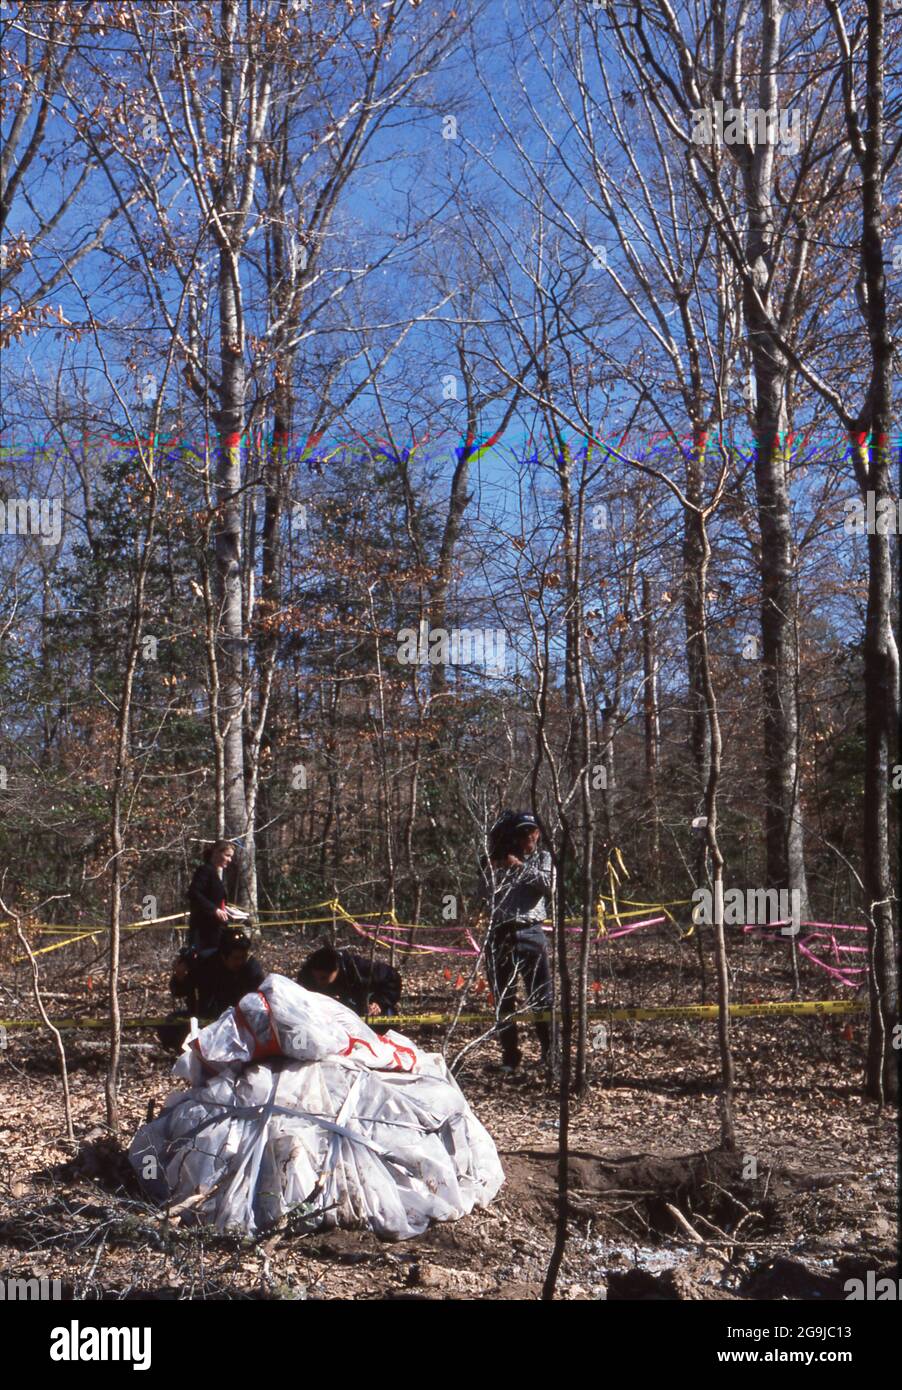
295,1103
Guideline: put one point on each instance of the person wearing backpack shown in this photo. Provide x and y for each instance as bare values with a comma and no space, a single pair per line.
517,885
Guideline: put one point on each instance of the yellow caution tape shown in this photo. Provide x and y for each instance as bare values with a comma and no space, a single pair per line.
386,945
277,911
614,880
634,902
636,912
702,1012
295,922
143,925
139,925
86,935
278,920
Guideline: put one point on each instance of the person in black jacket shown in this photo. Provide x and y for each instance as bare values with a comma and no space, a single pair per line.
210,984
207,897
369,987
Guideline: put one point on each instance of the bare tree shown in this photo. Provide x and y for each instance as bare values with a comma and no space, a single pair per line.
768,243
40,44
870,430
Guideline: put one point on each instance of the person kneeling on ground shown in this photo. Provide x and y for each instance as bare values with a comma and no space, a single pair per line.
367,986
210,984
515,881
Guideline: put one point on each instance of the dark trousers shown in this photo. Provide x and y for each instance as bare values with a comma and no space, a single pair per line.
514,950
204,936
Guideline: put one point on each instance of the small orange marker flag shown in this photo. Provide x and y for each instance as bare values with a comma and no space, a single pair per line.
459,982
596,986
847,1032
447,973
90,982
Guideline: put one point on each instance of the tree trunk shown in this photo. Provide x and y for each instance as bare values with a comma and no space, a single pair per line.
566,1012
692,616
727,1122
650,712
118,800
779,659
881,656
783,819
231,635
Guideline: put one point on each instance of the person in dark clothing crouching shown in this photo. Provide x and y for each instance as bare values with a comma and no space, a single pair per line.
369,987
515,881
210,984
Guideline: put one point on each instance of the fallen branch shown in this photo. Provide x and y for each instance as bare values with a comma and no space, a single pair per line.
692,1233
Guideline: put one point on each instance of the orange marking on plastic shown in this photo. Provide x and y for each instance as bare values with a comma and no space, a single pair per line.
271,1047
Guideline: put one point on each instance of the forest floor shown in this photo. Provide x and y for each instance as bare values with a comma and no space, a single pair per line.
656,1211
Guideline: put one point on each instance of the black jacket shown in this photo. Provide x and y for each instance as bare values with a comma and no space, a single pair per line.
210,988
206,893
359,983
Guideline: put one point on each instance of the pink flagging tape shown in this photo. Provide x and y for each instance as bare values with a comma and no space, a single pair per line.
830,926
370,932
835,926
622,931
837,974
634,926
408,926
381,939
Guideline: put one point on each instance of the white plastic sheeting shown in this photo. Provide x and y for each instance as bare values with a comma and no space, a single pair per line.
295,1100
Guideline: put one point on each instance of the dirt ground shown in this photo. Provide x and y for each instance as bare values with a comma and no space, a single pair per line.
656,1212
